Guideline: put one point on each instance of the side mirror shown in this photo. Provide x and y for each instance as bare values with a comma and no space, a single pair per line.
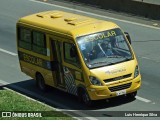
73,52
128,36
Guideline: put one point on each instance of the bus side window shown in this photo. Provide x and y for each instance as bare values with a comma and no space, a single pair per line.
24,38
39,43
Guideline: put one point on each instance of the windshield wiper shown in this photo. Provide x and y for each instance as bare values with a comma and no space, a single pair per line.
101,49
108,63
115,56
98,63
126,58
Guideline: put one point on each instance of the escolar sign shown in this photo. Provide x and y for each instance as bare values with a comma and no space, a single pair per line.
35,60
32,59
100,36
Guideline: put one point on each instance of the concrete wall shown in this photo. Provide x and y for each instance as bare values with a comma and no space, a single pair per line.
129,6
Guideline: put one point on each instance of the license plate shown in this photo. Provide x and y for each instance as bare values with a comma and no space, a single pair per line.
122,92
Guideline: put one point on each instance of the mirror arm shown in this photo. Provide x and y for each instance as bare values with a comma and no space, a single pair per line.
128,36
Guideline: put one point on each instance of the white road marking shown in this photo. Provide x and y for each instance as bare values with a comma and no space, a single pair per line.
102,16
3,82
83,115
146,58
143,99
8,52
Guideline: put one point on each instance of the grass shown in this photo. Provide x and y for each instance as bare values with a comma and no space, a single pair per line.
11,101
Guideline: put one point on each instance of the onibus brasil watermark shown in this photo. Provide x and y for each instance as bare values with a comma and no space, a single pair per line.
21,114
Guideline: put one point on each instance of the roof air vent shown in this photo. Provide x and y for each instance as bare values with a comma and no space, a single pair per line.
70,19
79,21
40,15
56,15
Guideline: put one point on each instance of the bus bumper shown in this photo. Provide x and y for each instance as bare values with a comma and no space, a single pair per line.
105,92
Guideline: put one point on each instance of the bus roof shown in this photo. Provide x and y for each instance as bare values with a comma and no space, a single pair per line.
67,23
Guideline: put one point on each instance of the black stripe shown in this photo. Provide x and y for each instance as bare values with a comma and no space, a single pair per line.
49,65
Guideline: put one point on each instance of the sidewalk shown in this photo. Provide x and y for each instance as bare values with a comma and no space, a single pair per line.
150,1
144,8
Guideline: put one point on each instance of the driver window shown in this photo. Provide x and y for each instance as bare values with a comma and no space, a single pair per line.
67,56
120,41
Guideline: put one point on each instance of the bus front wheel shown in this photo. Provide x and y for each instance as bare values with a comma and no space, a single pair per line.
86,99
132,95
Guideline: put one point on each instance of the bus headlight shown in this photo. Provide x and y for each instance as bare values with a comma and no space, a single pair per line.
136,72
95,81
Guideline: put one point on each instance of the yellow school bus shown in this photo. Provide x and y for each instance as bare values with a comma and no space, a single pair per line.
90,58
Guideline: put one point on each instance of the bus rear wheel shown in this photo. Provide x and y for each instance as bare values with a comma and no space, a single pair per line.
40,82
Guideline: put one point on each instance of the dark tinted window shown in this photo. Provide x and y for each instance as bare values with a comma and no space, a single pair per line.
39,43
25,38
32,40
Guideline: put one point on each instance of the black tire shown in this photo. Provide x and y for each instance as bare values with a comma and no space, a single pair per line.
80,97
132,95
86,99
40,82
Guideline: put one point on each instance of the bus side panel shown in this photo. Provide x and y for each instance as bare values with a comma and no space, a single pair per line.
32,62
31,71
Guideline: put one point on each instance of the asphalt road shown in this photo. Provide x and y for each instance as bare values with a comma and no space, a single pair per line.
145,41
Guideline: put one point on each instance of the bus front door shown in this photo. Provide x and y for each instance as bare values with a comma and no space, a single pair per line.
57,61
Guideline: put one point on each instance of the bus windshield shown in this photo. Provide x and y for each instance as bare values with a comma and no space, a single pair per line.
104,48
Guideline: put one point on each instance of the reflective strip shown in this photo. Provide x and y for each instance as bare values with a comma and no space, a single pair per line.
70,82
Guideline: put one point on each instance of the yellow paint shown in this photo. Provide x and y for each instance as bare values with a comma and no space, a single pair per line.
78,75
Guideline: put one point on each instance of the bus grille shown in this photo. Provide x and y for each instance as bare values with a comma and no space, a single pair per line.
117,78
120,87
